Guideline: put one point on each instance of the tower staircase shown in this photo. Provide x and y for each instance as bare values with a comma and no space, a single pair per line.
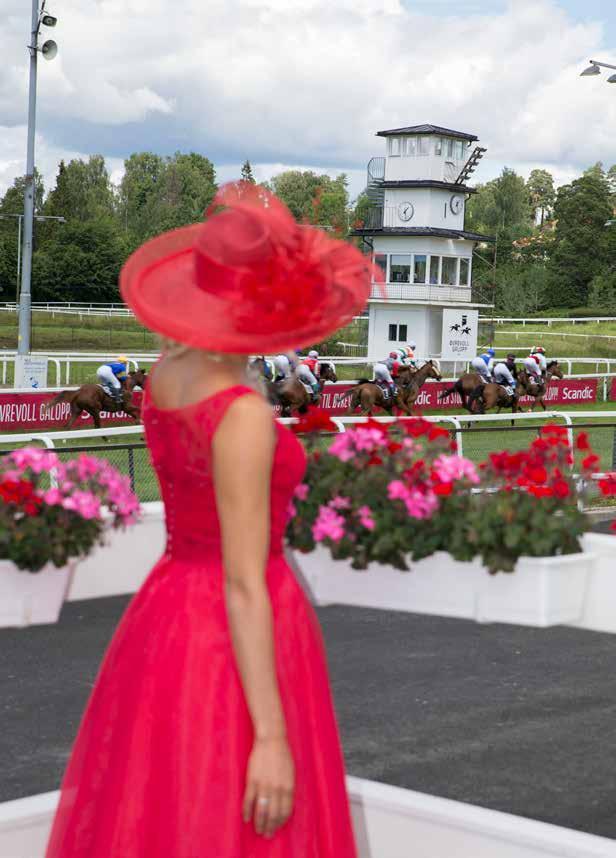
470,166
376,174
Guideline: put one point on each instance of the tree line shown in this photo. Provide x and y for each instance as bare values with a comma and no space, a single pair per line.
80,259
552,250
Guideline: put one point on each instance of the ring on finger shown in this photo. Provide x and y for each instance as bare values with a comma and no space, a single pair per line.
263,801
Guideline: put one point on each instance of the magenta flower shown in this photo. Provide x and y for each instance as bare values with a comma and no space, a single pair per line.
365,517
39,461
328,525
84,504
418,503
301,492
342,447
339,502
53,497
448,469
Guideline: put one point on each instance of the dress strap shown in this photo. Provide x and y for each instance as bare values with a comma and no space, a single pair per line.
216,406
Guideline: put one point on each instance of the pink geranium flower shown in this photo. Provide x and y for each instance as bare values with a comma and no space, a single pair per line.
328,525
448,469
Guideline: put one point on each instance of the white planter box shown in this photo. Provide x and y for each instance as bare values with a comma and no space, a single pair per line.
31,599
543,591
599,613
436,585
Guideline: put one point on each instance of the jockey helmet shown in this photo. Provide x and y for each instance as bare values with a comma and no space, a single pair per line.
490,352
409,351
510,356
313,353
412,346
122,359
298,351
394,355
539,350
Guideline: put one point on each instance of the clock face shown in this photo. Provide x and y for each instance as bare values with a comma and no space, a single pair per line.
406,211
456,204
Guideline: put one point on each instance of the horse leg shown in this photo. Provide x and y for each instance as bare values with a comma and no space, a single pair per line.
75,412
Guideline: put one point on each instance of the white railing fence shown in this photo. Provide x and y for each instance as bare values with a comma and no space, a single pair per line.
547,320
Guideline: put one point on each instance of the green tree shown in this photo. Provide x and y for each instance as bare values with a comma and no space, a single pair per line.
583,243
603,292
315,199
247,175
542,194
500,205
12,203
82,191
157,193
80,262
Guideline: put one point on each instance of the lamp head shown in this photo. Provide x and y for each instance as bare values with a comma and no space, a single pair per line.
49,49
591,70
49,20
612,78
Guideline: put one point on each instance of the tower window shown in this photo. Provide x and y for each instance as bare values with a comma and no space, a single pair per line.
398,333
394,146
465,270
400,268
419,268
438,146
423,146
449,276
380,259
435,262
411,146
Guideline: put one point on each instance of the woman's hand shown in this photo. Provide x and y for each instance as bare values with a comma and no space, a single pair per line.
270,782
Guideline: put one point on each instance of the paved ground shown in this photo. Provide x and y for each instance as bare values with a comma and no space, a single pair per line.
510,718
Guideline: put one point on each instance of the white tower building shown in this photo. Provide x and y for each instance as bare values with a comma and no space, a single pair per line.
415,230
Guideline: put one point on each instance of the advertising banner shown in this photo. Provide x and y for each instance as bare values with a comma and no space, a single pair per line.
30,412
613,389
459,337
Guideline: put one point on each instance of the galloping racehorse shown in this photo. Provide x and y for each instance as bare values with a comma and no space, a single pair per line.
368,395
290,394
492,395
537,391
93,399
464,387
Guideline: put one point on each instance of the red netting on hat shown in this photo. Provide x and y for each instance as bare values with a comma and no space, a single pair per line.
278,271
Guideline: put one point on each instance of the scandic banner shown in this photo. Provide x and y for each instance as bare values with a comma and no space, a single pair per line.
613,389
29,412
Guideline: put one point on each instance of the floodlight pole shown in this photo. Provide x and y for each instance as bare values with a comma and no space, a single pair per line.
602,65
25,294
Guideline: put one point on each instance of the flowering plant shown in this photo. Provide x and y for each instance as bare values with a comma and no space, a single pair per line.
374,494
51,511
530,502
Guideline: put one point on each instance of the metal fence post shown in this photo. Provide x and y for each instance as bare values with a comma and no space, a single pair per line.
131,467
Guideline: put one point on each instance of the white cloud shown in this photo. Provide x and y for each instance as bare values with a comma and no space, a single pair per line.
308,82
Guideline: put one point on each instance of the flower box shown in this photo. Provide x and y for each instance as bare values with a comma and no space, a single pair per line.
542,591
27,599
436,585
599,613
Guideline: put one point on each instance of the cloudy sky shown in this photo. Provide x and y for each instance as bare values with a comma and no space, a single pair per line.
306,83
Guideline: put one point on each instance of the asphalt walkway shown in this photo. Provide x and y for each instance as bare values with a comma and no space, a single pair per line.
511,718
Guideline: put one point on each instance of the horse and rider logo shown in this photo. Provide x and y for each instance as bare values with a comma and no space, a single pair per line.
461,327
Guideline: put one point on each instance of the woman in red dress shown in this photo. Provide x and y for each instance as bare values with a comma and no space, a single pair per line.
210,732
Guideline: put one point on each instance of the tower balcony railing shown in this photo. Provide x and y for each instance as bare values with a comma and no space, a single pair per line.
422,292
379,217
376,169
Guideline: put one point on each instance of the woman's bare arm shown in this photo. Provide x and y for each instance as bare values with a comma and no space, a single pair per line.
243,451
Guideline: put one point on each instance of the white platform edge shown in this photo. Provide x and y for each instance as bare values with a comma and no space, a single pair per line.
390,822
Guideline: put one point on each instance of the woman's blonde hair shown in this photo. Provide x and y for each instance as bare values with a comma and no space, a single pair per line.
175,349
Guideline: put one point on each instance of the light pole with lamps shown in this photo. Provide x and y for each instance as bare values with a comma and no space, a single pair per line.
49,50
595,68
20,218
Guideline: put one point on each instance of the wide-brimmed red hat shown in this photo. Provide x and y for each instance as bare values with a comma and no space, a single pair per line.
247,280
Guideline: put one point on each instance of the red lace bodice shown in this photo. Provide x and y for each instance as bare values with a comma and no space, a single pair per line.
180,442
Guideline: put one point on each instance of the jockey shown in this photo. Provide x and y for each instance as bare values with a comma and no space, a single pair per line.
383,374
308,371
111,375
284,366
482,364
532,365
411,349
539,352
505,373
